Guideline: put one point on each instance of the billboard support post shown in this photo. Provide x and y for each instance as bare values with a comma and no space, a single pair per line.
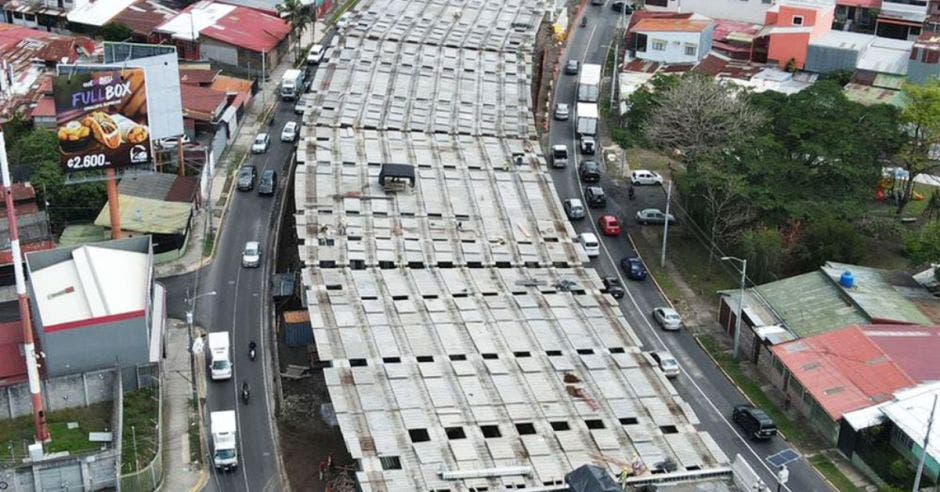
29,348
181,169
114,206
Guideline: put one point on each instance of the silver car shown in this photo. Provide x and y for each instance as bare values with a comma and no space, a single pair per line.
251,256
654,216
667,318
574,208
667,363
561,111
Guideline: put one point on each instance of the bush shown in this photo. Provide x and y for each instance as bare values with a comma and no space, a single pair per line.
880,228
829,239
765,253
924,247
899,469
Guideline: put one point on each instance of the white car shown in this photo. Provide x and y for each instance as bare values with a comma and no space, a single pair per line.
666,362
289,134
667,318
343,22
262,141
591,245
251,257
644,177
315,56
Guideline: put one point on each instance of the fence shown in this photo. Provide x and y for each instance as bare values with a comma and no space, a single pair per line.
150,476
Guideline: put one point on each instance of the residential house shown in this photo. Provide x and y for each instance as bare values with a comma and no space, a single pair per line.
907,417
901,19
789,28
239,38
97,307
752,11
851,51
33,226
48,15
828,375
683,39
856,15
143,17
924,64
88,17
12,363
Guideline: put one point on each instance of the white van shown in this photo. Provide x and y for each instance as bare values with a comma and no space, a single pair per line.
315,56
559,155
591,245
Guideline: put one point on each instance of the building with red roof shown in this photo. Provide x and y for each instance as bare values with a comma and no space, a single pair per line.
241,38
828,375
143,17
12,363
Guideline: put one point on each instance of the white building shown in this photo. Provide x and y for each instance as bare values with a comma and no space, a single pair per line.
683,40
737,10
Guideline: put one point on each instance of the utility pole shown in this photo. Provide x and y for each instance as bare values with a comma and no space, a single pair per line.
737,319
923,454
662,259
29,348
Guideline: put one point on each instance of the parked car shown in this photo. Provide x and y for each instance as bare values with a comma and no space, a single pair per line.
251,256
622,7
172,142
654,216
590,171
668,318
614,287
595,197
300,106
591,244
571,67
574,208
644,177
667,363
315,55
246,178
597,2
756,423
588,145
344,21
262,141
562,111
289,133
609,225
634,268
559,155
268,183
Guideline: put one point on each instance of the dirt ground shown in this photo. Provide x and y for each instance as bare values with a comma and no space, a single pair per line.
306,437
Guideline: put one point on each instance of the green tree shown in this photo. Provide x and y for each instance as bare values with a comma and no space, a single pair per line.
765,252
715,198
829,239
644,102
116,31
920,121
38,151
923,247
299,15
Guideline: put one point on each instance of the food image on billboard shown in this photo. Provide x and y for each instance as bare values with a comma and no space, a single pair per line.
102,119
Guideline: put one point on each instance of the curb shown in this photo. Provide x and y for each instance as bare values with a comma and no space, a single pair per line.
203,480
651,276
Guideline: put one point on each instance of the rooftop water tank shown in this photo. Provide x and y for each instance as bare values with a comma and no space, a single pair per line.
847,280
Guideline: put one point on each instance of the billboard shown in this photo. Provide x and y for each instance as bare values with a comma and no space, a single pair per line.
161,70
101,119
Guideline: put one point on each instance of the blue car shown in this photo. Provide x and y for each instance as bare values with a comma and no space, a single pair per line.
634,268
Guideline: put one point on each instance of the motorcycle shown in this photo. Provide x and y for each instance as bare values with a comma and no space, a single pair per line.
583,21
251,350
630,193
245,393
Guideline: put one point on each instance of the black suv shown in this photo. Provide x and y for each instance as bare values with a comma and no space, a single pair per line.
571,67
614,287
246,178
754,421
595,197
268,183
590,171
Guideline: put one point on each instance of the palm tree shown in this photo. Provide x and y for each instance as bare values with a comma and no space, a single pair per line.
299,15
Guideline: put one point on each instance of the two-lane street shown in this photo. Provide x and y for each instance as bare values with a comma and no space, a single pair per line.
701,383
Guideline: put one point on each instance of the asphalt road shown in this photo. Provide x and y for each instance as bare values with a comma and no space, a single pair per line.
702,385
240,306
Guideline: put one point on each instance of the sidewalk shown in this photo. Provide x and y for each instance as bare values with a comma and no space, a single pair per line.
180,472
253,122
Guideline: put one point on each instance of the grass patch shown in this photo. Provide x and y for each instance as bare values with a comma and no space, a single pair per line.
833,474
640,158
208,243
195,443
752,389
16,434
141,410
688,256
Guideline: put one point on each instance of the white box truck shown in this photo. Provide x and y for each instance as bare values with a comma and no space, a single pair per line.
224,446
292,84
587,119
589,83
220,353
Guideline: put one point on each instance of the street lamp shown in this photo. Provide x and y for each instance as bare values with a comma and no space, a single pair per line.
737,320
190,314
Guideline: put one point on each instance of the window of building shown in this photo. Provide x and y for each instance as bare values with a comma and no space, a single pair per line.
657,3
658,45
797,20
691,49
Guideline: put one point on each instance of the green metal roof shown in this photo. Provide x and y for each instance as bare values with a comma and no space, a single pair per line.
811,304
79,234
149,216
875,296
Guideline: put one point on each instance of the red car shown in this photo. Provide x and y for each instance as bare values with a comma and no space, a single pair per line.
609,225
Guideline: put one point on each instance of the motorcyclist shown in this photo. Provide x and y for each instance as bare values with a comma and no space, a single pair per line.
251,349
246,390
630,192
583,21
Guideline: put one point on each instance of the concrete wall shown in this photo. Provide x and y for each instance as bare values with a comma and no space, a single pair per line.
76,390
123,343
216,51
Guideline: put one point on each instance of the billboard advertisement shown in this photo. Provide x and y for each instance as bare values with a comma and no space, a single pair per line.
161,70
101,119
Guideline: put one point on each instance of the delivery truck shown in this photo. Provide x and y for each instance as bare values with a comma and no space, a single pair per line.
587,119
292,84
220,356
589,83
224,445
